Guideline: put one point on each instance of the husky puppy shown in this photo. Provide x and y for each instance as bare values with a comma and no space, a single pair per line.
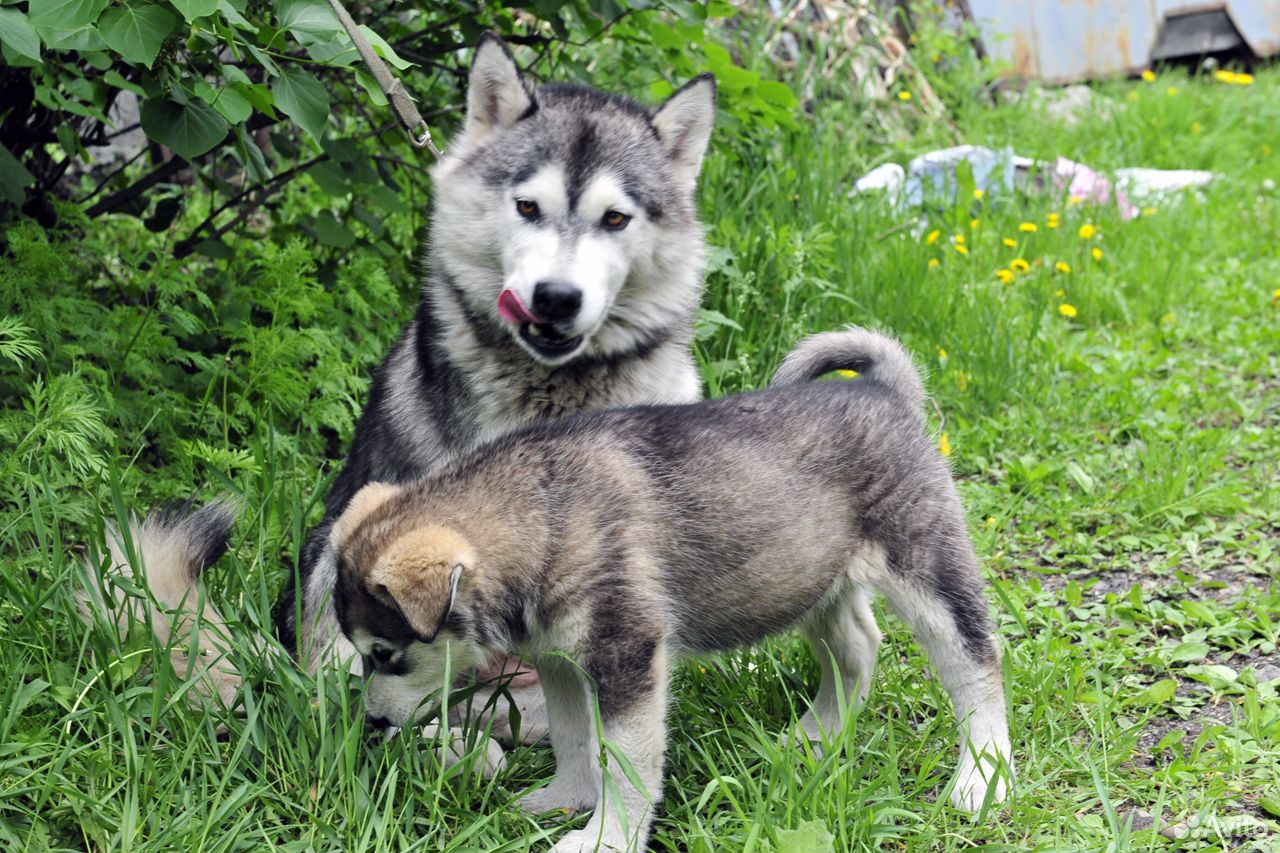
564,271
604,544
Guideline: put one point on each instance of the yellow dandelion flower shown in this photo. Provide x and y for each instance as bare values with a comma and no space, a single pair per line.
1096,252
1171,91
978,194
847,374
1275,294
1087,231
962,248
944,445
1244,79
1052,220
1149,211
974,223
1067,310
1028,228
991,522
1060,294
1149,76
1073,200
1019,265
942,354
962,380
933,263
1225,76
904,96
1005,276
932,237
1010,242
959,238
1062,267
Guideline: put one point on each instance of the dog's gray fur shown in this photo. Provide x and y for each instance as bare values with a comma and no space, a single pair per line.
604,544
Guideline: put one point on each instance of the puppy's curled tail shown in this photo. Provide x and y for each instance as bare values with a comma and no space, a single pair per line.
878,357
172,546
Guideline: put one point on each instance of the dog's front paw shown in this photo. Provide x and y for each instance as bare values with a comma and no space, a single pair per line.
589,840
972,782
570,798
455,750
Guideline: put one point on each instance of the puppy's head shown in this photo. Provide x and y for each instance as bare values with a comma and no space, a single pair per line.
399,577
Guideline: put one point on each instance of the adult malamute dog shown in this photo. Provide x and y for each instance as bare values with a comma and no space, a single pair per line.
604,544
564,271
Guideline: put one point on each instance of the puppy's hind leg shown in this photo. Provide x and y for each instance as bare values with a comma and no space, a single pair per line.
936,588
845,639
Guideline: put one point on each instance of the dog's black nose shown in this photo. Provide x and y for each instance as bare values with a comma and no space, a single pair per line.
556,300
378,723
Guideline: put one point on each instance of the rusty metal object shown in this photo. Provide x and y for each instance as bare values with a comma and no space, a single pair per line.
1064,41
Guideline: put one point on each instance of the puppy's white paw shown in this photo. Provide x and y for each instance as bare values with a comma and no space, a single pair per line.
972,782
589,840
559,796
454,750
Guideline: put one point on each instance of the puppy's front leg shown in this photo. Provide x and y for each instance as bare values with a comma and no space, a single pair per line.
633,707
571,719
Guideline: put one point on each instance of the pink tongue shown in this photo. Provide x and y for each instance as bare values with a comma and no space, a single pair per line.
511,309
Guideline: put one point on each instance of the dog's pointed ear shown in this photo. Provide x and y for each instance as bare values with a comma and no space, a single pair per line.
419,575
496,93
360,508
684,124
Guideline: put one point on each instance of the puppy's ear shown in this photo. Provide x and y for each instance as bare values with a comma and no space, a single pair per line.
361,507
496,93
684,124
419,576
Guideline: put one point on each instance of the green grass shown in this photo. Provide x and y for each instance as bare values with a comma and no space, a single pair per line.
1119,467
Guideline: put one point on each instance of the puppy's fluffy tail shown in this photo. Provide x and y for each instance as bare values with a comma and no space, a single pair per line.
879,358
172,547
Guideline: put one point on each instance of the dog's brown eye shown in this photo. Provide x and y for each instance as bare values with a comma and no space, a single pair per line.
616,220
527,209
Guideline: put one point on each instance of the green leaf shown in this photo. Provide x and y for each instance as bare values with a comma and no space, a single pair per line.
14,177
811,836
188,129
67,24
308,20
1189,651
1155,695
137,32
386,51
251,156
192,9
302,97
115,78
776,93
232,105
18,35
331,232
65,14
